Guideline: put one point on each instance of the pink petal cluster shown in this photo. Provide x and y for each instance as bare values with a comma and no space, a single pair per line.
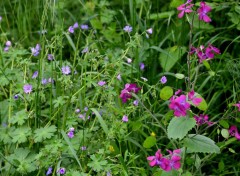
191,97
233,131
205,53
126,92
180,105
237,105
202,12
202,119
167,163
185,8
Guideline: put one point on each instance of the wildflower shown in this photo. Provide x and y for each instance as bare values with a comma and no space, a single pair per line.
77,110
71,29
35,74
125,118
71,134
129,60
144,79
158,160
44,81
109,173
82,116
202,12
85,50
135,102
86,108
36,50
8,43
125,93
210,50
83,148
119,77
61,171
185,8
50,57
196,101
66,70
233,131
111,148
202,119
175,158
49,171
27,88
142,66
149,31
153,134
237,105
16,97
127,29
84,27
0,18
75,25
101,83
163,79
50,80
179,105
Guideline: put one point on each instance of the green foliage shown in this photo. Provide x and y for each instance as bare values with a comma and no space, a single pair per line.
20,117
20,135
200,143
97,163
179,127
166,93
46,132
149,142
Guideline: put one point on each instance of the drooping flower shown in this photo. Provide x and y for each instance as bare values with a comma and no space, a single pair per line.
127,29
61,171
27,88
49,171
8,44
179,105
163,79
36,50
101,83
237,105
233,131
77,110
16,97
86,108
66,70
35,74
191,97
125,118
202,119
202,12
185,8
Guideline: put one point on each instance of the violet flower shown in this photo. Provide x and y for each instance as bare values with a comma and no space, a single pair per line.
202,12
27,88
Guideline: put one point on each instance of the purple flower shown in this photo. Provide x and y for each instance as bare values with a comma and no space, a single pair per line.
159,160
129,60
84,27
50,57
233,131
8,43
61,171
135,102
16,97
101,83
109,173
163,79
27,88
119,77
149,31
127,29
179,105
44,81
36,50
6,49
125,118
77,110
86,108
126,92
49,171
191,96
142,66
202,119
174,162
35,74
82,116
85,50
70,134
202,12
83,148
66,70
71,29
185,8
75,25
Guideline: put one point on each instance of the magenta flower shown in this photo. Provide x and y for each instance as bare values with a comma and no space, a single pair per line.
179,105
125,118
27,88
185,8
202,12
126,92
66,70
202,119
175,158
101,83
159,160
127,29
191,97
211,50
237,105
233,131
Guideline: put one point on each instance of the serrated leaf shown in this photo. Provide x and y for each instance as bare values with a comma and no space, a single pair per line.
200,143
169,57
20,134
149,142
179,127
19,117
97,164
44,133
166,93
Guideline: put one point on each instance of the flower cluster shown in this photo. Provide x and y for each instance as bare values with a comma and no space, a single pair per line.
201,11
205,53
71,132
180,104
35,51
202,119
167,163
82,116
233,131
126,92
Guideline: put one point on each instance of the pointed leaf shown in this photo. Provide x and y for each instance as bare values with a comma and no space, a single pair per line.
149,142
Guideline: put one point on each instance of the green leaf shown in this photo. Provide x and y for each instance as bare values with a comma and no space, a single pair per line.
44,133
162,15
179,127
19,117
101,121
166,93
176,3
179,76
149,142
206,64
169,57
225,133
224,124
97,164
200,143
70,41
96,24
203,105
20,134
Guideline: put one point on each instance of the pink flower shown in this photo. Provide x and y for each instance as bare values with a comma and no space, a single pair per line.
202,12
233,131
126,92
179,105
185,8
101,83
158,160
237,105
202,119
175,159
196,101
125,118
